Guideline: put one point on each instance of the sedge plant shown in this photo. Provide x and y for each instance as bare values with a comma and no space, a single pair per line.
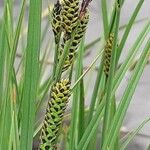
24,91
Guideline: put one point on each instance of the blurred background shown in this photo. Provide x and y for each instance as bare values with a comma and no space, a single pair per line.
140,105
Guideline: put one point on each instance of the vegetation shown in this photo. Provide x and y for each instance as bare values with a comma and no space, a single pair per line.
24,90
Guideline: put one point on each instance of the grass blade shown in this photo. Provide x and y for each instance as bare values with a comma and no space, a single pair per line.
125,101
131,135
77,104
105,17
109,84
128,28
148,147
117,80
31,75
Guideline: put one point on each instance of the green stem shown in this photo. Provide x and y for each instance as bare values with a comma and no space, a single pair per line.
105,17
109,86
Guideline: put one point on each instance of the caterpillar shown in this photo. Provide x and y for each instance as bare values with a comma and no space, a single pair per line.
59,96
107,54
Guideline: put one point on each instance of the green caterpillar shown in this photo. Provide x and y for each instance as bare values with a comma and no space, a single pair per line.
57,21
59,97
74,46
107,54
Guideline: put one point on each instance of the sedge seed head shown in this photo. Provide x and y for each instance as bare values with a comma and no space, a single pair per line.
57,21
75,43
60,93
70,12
107,53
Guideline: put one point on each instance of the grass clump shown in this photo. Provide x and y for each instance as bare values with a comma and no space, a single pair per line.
24,89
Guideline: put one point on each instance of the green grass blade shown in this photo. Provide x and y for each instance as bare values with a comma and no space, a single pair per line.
131,135
117,80
5,125
31,75
122,70
14,132
77,122
16,141
90,130
18,30
132,52
128,28
87,70
125,101
91,44
105,17
95,91
15,44
62,59
2,62
37,129
58,71
148,147
109,84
